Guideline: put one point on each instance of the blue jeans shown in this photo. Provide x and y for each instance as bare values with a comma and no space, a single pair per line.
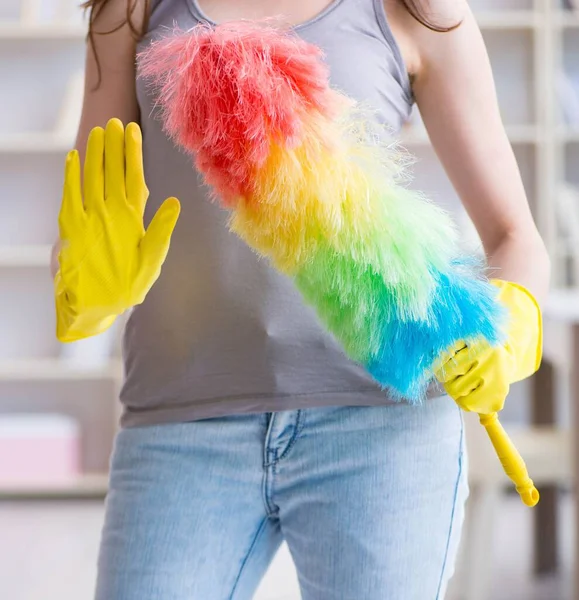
369,500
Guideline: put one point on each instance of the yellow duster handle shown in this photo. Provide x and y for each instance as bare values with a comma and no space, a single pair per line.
510,458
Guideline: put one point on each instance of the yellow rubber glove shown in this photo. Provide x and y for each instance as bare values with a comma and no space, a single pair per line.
478,376
107,262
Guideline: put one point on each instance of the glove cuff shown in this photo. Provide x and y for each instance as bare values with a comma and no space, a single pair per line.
525,327
71,325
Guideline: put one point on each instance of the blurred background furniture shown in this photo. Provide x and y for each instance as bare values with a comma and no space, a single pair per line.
534,51
532,44
42,56
547,452
563,309
551,450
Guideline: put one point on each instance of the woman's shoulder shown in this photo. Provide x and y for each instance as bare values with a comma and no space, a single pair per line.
420,26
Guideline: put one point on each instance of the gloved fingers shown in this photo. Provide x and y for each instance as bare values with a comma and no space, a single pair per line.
115,162
449,354
94,182
440,365
155,243
137,192
464,385
462,362
484,400
71,209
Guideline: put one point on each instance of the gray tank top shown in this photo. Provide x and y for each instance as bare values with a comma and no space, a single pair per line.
221,332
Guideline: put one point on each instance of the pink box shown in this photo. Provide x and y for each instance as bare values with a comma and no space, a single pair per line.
38,449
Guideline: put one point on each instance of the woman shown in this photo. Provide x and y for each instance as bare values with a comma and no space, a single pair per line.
244,423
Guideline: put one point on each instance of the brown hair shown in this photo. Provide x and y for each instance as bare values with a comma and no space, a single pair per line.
416,9
95,7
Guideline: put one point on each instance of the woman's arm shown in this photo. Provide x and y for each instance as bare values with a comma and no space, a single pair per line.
455,91
114,95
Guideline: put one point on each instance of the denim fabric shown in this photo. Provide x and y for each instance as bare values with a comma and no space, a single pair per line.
369,499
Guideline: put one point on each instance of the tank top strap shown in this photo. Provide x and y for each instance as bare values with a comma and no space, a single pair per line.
153,5
386,30
367,16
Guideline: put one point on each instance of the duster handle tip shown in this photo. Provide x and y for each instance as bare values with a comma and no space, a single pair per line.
511,460
529,494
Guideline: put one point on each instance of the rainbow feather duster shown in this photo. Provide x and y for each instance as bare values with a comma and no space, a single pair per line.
315,184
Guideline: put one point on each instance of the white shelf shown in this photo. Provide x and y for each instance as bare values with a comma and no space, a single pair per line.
508,19
42,31
86,486
25,256
563,305
499,19
517,19
570,135
35,143
518,134
523,134
54,369
568,19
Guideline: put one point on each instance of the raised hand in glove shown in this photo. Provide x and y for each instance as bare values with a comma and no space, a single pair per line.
478,376
107,261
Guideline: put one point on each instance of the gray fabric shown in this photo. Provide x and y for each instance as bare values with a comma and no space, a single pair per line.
221,332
